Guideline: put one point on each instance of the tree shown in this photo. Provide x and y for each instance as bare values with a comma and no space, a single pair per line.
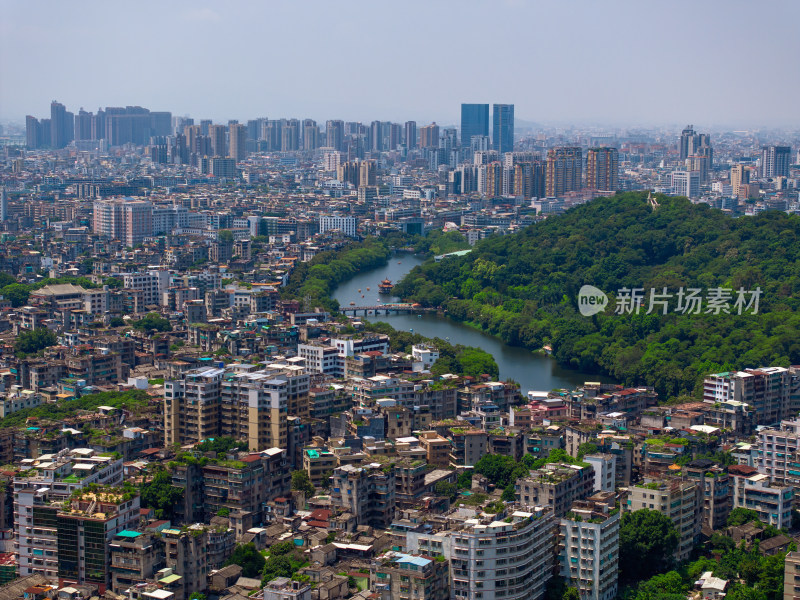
30,342
117,322
647,541
740,516
197,596
153,322
571,593
250,559
277,566
114,282
16,293
160,495
443,488
6,279
586,448
301,482
464,480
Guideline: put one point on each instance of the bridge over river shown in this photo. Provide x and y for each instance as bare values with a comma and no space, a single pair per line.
390,308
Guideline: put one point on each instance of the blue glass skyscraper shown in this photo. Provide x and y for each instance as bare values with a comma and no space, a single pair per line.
503,127
474,121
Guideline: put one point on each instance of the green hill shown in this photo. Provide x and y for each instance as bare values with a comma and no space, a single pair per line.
524,288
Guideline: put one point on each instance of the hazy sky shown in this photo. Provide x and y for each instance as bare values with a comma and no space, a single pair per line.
708,62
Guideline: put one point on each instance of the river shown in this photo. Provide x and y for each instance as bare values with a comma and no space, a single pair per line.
533,371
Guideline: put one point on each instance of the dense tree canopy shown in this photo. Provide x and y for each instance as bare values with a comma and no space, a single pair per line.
301,482
316,280
30,342
153,322
247,557
524,287
647,541
160,495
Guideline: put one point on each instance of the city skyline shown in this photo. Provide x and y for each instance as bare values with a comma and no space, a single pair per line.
556,75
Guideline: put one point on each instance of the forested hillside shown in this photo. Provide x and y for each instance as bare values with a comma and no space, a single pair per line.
524,288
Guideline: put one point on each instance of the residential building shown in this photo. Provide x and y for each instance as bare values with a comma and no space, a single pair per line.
346,225
508,555
589,547
84,525
778,453
681,501
685,183
283,588
791,576
556,486
602,169
717,491
368,492
755,491
563,171
773,392
775,161
37,498
605,471
400,575
468,446
124,219
429,136
135,558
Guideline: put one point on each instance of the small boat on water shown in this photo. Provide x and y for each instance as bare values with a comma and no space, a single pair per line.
385,286
359,290
352,304
367,289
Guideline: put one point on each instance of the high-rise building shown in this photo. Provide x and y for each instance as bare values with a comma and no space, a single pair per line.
33,133
589,547
217,134
602,169
429,136
681,501
205,128
83,125
238,142
38,498
493,555
685,183
563,170
503,127
128,220
290,136
494,180
347,225
366,492
376,136
774,392
391,575
334,134
739,175
310,135
775,161
474,122
791,574
3,204
410,134
556,485
367,173
686,142
62,125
